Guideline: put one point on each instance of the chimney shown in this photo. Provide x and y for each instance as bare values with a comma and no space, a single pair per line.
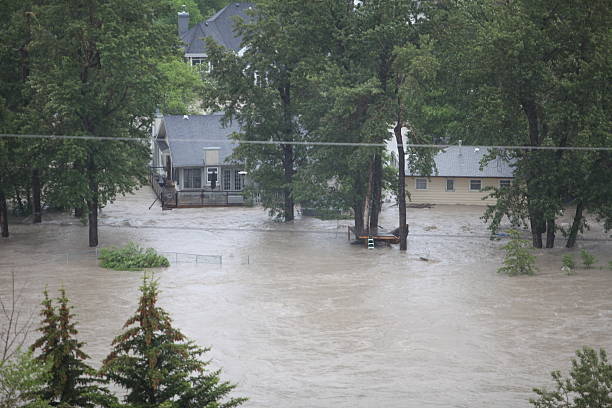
183,21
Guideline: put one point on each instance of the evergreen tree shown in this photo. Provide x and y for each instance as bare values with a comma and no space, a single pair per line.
157,365
71,381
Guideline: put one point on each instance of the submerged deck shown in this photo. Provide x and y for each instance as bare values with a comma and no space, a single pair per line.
388,237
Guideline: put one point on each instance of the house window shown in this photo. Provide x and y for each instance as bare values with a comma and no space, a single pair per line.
237,180
421,184
475,185
212,173
450,185
504,183
227,179
197,61
192,178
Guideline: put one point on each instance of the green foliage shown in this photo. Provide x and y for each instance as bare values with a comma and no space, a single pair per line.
71,381
22,380
589,384
513,75
184,86
568,262
158,366
518,259
588,259
131,258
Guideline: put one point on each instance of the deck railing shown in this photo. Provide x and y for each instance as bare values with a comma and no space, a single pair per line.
171,198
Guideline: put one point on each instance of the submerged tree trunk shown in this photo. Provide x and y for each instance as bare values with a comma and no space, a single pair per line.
36,188
550,233
78,212
573,233
4,230
401,190
376,192
92,202
288,204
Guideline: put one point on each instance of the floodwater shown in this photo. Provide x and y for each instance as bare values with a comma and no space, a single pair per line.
298,317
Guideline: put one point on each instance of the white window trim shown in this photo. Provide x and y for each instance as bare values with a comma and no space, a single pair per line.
416,185
206,175
446,185
475,190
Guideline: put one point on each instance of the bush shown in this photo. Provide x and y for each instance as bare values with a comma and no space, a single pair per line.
587,258
131,258
589,384
568,263
518,259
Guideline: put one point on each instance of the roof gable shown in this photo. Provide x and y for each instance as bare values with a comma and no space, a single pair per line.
220,27
188,135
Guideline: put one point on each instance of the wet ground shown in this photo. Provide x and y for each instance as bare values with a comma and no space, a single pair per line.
298,317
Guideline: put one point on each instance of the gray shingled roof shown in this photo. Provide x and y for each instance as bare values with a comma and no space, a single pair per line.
199,131
219,27
464,161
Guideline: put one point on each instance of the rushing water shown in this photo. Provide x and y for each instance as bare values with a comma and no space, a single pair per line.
298,317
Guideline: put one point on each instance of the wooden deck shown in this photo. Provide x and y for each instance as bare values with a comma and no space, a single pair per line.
387,237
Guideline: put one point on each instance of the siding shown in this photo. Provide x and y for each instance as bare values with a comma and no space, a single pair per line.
436,191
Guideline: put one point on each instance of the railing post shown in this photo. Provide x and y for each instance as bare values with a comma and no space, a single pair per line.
176,199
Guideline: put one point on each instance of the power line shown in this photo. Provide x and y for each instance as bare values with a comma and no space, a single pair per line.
302,143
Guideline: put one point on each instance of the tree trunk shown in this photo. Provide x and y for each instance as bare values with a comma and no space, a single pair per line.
401,191
92,202
376,198
550,233
78,212
19,201
36,209
288,205
573,234
4,230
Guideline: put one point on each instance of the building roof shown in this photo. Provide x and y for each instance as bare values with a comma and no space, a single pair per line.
188,136
220,27
464,161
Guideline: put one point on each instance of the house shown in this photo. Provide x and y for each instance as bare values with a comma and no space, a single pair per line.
191,161
459,178
220,27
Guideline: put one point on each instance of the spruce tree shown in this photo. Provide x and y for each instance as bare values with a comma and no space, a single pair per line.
159,366
71,382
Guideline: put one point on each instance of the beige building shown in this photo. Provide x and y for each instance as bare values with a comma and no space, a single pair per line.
458,178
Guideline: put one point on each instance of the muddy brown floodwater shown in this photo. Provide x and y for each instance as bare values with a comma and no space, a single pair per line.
298,317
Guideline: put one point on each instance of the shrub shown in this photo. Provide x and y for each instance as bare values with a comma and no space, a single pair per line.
22,379
589,384
131,258
518,259
587,258
568,263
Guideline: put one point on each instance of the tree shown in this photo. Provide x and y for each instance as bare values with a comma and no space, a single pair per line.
71,381
184,87
15,325
589,384
157,365
22,378
517,74
261,90
95,73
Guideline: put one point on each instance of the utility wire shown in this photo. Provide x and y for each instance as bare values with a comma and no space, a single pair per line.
289,142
